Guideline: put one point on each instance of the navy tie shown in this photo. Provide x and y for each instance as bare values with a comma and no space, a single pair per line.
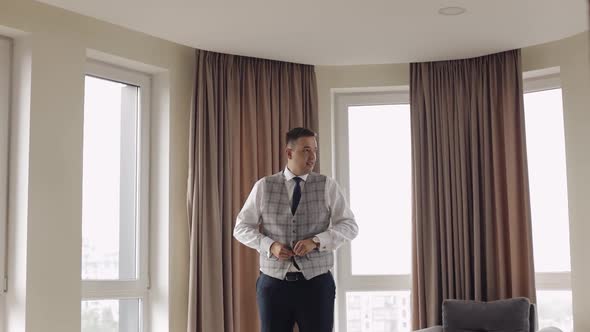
294,203
296,195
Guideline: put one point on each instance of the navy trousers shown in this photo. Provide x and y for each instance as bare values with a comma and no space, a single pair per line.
310,303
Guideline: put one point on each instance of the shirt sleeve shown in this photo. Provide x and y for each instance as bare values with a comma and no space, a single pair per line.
246,229
343,226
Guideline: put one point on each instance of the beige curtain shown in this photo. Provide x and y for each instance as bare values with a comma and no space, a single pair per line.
242,109
471,212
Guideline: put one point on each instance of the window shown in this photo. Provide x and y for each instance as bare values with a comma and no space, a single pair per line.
114,272
373,138
549,205
5,75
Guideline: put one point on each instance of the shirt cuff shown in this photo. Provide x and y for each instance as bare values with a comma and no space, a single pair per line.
265,245
324,239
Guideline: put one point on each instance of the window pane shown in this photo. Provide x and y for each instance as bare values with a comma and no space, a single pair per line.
380,188
109,183
378,311
555,309
111,315
548,183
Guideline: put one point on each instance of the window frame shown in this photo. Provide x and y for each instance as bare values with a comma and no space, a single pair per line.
345,280
536,81
5,96
139,288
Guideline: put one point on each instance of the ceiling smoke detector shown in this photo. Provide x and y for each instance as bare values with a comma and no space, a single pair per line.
452,11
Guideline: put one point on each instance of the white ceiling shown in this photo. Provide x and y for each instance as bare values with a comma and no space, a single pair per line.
342,32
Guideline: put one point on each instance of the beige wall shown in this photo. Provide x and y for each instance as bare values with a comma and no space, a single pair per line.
571,54
45,217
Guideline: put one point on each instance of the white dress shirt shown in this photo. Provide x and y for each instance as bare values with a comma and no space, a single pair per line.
342,224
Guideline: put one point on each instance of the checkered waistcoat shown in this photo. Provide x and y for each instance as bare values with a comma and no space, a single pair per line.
312,217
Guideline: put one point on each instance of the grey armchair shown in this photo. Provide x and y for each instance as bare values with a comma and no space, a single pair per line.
512,315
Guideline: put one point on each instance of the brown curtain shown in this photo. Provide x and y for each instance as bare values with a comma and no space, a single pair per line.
471,212
242,109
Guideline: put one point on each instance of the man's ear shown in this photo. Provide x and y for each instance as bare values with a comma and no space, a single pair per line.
289,152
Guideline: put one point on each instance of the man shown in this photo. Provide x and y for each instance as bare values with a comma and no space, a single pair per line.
296,219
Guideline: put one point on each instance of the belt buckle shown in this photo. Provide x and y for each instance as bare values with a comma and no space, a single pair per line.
293,276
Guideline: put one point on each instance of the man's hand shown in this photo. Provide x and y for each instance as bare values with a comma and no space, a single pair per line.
303,247
281,251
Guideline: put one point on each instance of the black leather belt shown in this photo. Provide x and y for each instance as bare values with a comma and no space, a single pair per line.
294,276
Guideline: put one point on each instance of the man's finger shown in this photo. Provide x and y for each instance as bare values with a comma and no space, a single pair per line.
302,248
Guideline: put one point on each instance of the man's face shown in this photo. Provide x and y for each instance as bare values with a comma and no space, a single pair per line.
302,155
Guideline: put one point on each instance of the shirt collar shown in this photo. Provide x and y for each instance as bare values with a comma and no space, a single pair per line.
289,175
